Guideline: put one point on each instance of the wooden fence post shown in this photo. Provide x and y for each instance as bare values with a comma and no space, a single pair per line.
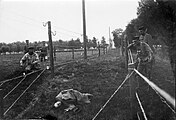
1,105
98,49
73,54
103,50
54,53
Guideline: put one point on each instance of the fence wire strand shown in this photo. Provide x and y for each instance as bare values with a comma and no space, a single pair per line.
8,80
156,88
128,76
23,92
159,91
142,109
14,87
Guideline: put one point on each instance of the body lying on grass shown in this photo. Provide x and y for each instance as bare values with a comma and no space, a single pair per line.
72,99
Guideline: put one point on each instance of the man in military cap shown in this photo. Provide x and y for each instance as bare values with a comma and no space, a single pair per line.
145,37
30,61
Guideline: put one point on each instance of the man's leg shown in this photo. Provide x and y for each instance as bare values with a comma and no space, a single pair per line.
28,69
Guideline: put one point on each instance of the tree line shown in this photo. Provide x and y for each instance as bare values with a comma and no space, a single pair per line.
59,44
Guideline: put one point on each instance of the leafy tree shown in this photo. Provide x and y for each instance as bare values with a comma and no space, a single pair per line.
78,43
71,43
61,41
117,37
103,41
5,49
94,41
75,43
159,17
89,44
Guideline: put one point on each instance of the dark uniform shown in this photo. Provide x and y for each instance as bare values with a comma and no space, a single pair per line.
145,37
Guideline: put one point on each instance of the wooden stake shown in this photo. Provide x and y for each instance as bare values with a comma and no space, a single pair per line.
73,57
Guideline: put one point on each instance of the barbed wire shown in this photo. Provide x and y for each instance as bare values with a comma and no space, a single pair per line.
24,92
142,109
128,76
159,91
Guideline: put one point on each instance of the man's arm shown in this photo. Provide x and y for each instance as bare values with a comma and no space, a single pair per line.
149,41
130,46
36,58
150,52
23,59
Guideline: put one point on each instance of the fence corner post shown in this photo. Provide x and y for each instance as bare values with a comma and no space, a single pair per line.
1,105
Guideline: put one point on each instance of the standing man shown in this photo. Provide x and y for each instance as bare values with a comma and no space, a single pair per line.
145,37
30,61
144,59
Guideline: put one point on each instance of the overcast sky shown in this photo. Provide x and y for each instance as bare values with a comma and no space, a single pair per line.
22,20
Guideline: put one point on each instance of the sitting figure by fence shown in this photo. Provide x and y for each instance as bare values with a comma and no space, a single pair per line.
30,61
144,57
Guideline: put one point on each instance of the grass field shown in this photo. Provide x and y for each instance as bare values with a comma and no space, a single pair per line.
9,64
101,77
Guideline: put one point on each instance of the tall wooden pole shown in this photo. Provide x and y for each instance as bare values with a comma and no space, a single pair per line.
84,30
98,49
110,41
51,49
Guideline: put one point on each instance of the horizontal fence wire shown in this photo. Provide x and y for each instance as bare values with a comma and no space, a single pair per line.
14,87
142,109
8,80
11,79
128,76
159,91
24,92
